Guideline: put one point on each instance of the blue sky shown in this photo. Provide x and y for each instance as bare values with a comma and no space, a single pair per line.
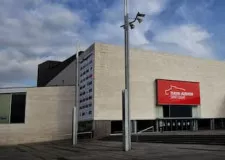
32,31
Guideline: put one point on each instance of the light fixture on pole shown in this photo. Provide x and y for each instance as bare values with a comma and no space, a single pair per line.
126,91
132,26
139,19
140,14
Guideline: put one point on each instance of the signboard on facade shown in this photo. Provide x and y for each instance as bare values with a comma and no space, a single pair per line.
173,92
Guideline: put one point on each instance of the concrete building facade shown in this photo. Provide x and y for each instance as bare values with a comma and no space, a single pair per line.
195,92
146,67
47,115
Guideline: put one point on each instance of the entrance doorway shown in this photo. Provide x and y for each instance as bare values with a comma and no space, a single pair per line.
177,118
176,124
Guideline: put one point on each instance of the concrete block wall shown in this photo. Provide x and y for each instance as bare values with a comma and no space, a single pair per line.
48,117
145,67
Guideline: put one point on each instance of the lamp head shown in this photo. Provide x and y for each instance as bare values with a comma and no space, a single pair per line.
139,19
132,26
140,14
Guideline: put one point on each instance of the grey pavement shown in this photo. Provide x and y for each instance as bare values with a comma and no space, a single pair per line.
102,150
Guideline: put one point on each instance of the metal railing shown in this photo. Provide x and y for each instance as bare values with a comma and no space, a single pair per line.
83,133
151,127
142,131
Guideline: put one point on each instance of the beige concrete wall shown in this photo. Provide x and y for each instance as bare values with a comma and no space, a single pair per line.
108,82
145,67
48,117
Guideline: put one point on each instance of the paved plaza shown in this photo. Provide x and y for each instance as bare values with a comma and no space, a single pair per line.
102,150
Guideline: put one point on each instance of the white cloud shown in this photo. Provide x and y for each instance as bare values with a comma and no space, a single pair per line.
108,29
149,7
34,31
191,38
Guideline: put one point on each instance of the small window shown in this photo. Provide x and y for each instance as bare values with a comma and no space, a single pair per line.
18,108
90,112
89,83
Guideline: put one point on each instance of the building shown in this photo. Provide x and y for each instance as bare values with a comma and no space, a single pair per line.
35,114
168,91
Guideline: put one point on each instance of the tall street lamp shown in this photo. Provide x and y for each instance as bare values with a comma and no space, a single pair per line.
126,91
77,92
76,107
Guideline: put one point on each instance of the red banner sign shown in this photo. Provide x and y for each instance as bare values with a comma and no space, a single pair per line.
170,92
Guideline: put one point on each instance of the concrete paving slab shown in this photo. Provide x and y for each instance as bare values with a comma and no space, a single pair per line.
103,150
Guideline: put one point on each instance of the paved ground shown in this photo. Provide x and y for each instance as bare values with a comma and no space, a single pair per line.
199,132
101,150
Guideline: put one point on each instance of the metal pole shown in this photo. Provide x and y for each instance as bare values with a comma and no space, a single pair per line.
127,74
125,122
76,108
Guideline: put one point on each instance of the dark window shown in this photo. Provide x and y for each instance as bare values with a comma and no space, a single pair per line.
177,111
18,108
116,126
89,83
90,90
166,111
83,114
82,87
204,124
90,112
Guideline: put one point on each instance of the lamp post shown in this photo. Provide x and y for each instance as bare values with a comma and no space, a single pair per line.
126,92
76,107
